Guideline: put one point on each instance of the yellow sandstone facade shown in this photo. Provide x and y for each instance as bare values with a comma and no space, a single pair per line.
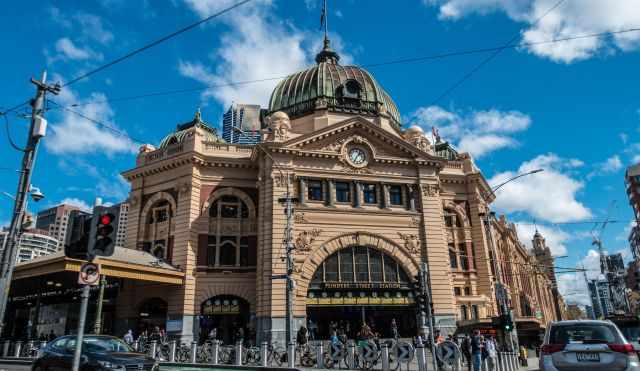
374,203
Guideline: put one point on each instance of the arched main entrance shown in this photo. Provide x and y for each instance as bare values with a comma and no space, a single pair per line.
226,314
151,313
360,284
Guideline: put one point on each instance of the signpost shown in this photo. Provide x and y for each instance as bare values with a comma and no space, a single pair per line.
89,274
449,354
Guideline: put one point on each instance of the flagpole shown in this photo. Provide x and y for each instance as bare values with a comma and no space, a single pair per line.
326,21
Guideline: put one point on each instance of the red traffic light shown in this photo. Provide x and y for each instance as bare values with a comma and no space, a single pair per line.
106,219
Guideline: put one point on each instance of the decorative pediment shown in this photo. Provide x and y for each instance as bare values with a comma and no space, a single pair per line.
339,141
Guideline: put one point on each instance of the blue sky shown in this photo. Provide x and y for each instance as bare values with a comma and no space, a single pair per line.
570,108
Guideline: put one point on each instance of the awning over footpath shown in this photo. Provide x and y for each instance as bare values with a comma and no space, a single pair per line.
124,263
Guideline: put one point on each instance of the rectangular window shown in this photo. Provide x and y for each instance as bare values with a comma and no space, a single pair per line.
314,190
343,193
375,265
331,268
395,195
463,313
390,269
464,260
456,291
467,291
448,220
370,194
474,312
346,265
453,257
161,215
211,250
362,264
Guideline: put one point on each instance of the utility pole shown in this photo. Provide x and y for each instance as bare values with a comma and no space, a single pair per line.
37,130
97,326
289,249
424,271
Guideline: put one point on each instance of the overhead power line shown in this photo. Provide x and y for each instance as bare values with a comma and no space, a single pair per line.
100,123
379,64
488,59
154,43
17,106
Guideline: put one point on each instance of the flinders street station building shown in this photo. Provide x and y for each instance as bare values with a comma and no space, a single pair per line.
375,201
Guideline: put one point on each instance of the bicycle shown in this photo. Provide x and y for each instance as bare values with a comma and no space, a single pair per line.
276,354
252,355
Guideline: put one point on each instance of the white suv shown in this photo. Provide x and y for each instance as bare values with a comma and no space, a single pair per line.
586,346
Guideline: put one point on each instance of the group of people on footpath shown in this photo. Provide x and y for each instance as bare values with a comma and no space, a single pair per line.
477,348
157,334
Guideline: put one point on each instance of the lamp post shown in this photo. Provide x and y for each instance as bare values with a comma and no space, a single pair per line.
501,294
288,239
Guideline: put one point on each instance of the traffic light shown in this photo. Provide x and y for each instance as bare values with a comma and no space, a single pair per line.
418,294
77,239
506,322
102,240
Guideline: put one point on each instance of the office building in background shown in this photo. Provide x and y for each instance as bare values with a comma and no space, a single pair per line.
245,117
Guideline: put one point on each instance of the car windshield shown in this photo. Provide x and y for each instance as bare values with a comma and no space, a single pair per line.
101,345
584,334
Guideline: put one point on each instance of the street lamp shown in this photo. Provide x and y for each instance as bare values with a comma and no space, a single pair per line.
501,294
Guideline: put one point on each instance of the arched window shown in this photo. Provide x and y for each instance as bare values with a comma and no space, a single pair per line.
231,239
359,264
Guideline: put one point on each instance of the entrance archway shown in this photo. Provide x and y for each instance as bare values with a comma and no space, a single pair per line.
227,314
360,284
151,313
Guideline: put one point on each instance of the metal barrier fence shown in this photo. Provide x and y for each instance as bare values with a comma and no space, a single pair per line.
387,355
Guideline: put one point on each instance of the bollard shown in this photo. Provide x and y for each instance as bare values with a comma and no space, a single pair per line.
135,345
238,354
194,352
5,348
43,344
215,350
16,351
500,366
291,355
152,349
264,353
420,354
514,361
319,355
385,356
173,346
352,355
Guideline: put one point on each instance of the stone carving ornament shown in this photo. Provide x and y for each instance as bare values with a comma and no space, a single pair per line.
411,242
305,239
430,190
280,126
299,218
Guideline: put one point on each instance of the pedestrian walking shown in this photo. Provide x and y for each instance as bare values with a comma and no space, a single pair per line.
394,329
128,337
492,353
476,350
465,348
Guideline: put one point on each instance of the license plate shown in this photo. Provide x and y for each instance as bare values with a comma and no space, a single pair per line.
588,357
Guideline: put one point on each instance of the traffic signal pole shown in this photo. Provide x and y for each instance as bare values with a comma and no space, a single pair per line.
428,314
36,131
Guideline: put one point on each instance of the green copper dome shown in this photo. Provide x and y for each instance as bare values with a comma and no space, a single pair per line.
186,130
340,88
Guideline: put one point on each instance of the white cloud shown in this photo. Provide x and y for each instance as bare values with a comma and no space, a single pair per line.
555,238
72,134
571,18
92,28
610,165
258,45
68,50
549,195
76,202
476,132
573,286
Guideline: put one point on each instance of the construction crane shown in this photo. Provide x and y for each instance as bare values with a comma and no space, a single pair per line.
597,239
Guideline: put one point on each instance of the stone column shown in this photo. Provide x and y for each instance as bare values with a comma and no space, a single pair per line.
357,194
412,197
302,190
331,192
384,196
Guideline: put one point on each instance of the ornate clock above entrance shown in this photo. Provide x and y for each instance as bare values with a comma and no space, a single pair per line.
357,156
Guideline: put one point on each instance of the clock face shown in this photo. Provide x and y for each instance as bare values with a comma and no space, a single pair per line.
357,156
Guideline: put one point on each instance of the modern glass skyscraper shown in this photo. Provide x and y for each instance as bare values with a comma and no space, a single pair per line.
246,118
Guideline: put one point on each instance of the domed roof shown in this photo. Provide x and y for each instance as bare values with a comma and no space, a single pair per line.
339,88
186,130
